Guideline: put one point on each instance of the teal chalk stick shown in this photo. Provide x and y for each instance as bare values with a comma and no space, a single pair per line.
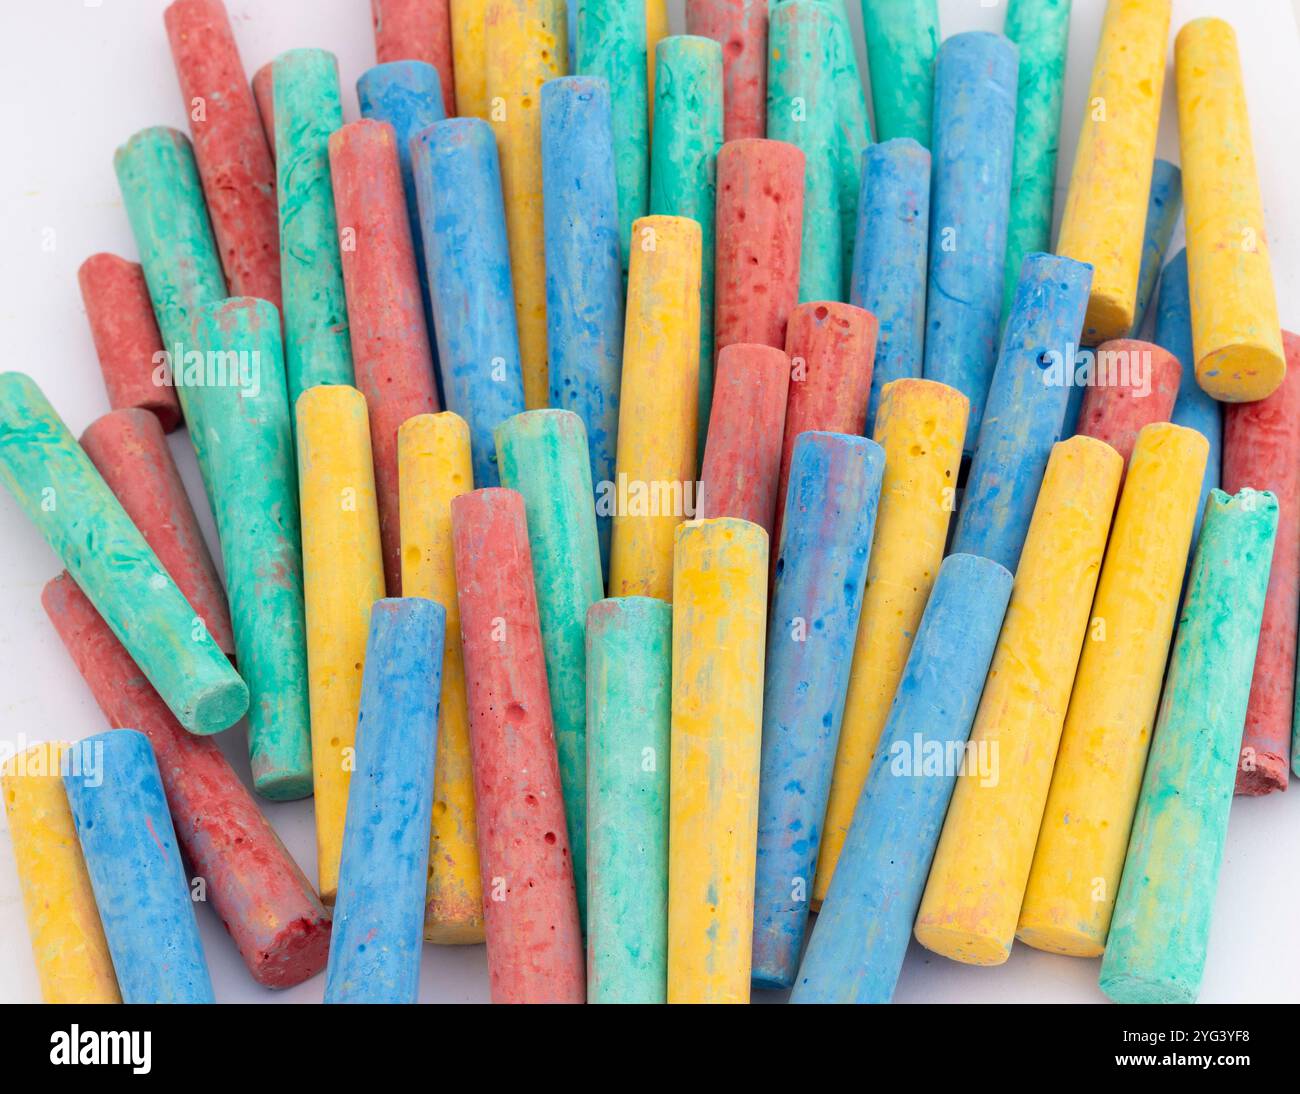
853,134
902,38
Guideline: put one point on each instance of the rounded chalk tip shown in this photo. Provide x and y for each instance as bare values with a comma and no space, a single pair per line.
1128,987
299,950
283,784
411,74
1243,372
1054,938
965,946
976,568
216,707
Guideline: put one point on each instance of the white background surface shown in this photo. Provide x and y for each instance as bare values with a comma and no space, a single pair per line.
77,78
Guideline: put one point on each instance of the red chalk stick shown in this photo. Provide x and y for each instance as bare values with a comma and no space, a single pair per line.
1114,409
742,459
741,28
759,233
129,450
390,340
230,146
126,336
1261,449
417,30
279,925
264,96
530,906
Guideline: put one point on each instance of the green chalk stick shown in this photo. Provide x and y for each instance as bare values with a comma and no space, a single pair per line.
255,503
629,708
854,134
59,489
902,39
543,455
1155,952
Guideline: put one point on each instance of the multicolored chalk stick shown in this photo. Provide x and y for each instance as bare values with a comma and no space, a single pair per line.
469,56
379,913
902,38
1163,208
143,894
417,30
1133,384
68,945
861,934
530,906
977,880
629,706
1160,931
719,622
1085,826
821,570
740,28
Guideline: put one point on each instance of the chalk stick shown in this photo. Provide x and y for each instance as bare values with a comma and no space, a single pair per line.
469,57
584,277
974,128
719,619
140,884
274,917
417,30
129,450
889,259
343,575
821,570
683,169
543,456
629,707
860,938
463,222
317,348
255,503
655,487
740,27
1040,31
853,135
230,145
656,29
981,864
1160,931
379,915
126,336
742,463
902,38
1106,205
434,466
68,945
1134,384
1164,205
757,244
264,95
391,351
534,939
1026,405
920,427
1085,826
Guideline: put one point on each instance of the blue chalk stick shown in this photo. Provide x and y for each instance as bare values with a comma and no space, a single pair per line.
135,869
1163,207
379,912
861,935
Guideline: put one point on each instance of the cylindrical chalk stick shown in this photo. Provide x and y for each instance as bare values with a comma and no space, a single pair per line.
1161,927
317,349
1133,384
629,705
902,38
974,130
719,619
853,136
141,889
1164,205
534,938
920,427
343,575
264,94
1235,329
379,914
820,574
469,56
463,222
655,487
861,934
229,144
417,30
889,259
59,489
433,464
126,336
274,917
1085,825
742,463
656,29
1025,409
977,880
255,503
740,28
68,945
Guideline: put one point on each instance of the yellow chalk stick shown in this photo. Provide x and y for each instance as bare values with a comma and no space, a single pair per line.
1081,844
972,899
343,575
1235,330
719,624
433,466
657,401
1106,206
921,426
656,27
72,960
469,57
